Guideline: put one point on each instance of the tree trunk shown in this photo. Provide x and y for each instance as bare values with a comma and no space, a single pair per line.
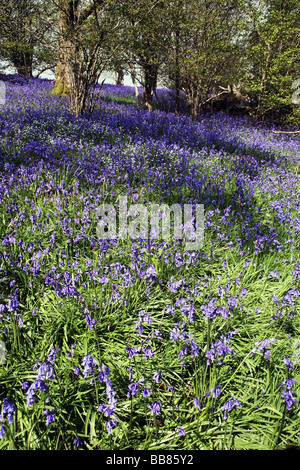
133,79
22,61
194,99
149,86
120,77
264,79
62,75
79,63
177,72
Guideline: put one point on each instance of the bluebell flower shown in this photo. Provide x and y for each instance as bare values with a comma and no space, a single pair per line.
110,424
188,310
210,309
77,442
130,374
288,363
290,400
197,403
134,387
232,302
194,349
145,317
288,383
170,309
157,376
49,416
274,274
45,371
138,326
175,285
262,346
218,348
8,409
157,333
2,431
131,352
52,355
229,405
148,353
155,408
243,292
288,392
70,354
110,408
106,409
151,274
91,323
176,334
215,392
13,304
181,431
89,363
77,370
183,352
223,312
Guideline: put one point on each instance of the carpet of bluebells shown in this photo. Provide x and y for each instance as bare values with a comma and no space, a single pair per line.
139,343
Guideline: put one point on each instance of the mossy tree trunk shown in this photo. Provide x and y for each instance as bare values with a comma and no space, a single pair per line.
85,29
62,75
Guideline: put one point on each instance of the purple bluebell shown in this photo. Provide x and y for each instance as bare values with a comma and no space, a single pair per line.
131,351
218,348
188,310
2,431
197,403
288,393
262,346
288,363
229,405
289,398
155,408
147,392
89,363
215,391
111,424
8,410
157,376
170,309
134,387
77,442
91,323
50,416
